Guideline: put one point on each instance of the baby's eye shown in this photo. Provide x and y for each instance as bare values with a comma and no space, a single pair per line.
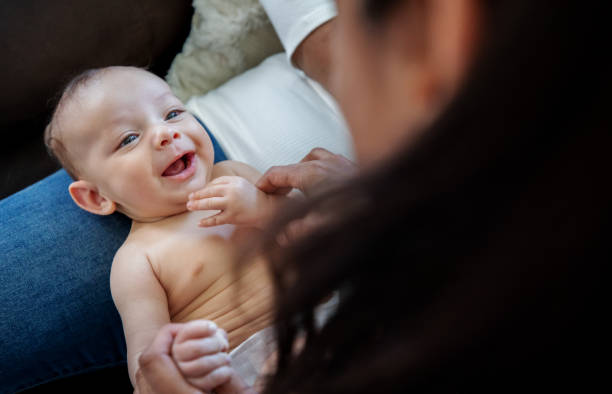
128,140
173,114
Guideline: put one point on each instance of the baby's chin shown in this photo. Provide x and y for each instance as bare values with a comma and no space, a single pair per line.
201,178
157,211
170,205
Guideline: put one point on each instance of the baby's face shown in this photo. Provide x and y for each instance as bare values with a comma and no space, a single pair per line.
131,137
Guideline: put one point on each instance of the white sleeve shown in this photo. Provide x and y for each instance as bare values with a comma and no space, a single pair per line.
271,115
294,20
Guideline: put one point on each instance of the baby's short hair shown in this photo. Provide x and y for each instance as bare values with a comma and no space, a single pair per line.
52,136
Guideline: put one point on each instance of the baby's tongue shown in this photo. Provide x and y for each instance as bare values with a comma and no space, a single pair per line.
175,168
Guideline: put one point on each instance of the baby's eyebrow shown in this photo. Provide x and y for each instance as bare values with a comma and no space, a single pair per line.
116,120
110,135
164,96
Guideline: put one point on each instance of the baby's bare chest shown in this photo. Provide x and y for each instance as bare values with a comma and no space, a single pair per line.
198,273
191,264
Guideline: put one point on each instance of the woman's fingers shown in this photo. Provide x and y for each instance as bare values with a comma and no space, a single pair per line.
318,167
280,179
204,365
318,154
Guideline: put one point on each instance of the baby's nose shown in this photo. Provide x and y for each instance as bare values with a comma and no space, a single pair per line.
165,137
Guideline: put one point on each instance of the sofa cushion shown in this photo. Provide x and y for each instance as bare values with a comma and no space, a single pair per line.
227,37
44,43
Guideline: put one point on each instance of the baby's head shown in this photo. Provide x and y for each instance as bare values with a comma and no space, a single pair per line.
129,143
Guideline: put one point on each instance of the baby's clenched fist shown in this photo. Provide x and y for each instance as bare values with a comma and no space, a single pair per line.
200,352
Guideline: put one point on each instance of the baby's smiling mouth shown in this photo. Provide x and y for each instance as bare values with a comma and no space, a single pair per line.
180,165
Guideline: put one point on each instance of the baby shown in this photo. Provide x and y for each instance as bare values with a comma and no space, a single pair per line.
132,147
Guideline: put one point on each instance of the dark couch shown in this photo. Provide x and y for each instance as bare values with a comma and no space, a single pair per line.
44,43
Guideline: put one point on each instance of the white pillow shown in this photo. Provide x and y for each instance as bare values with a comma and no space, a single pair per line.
227,37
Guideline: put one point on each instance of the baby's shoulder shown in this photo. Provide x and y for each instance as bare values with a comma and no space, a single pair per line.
129,264
131,250
235,168
226,167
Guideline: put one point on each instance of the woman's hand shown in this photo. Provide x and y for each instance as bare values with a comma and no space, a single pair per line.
196,350
318,169
158,374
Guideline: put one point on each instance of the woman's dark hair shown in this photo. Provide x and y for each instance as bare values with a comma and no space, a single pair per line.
474,260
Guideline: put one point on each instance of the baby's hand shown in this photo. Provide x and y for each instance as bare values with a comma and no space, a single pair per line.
199,350
239,201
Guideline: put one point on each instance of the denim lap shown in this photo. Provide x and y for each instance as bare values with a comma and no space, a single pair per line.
57,317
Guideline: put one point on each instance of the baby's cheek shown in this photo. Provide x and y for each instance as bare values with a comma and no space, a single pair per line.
134,190
203,176
135,186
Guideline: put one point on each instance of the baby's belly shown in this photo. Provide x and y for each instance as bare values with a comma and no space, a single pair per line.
238,302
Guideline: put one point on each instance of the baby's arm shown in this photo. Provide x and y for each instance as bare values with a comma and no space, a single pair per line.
140,300
236,196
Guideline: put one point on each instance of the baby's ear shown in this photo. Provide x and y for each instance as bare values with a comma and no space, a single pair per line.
85,195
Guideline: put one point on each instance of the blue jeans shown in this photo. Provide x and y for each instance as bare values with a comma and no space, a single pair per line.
57,317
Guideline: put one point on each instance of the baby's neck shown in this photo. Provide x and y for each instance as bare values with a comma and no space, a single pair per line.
187,218
150,220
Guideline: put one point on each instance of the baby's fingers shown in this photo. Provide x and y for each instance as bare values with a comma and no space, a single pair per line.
214,379
215,220
203,365
211,190
195,348
196,329
212,203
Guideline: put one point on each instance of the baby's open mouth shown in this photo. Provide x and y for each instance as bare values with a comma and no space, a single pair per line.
180,165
